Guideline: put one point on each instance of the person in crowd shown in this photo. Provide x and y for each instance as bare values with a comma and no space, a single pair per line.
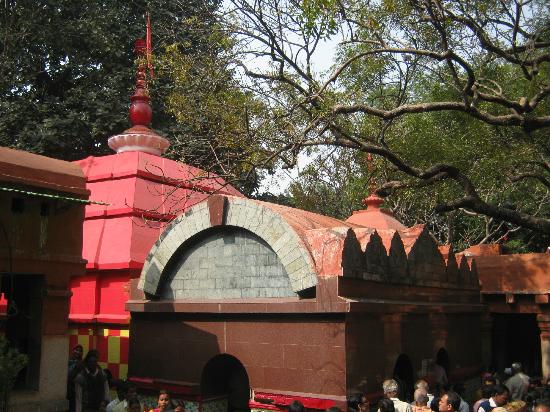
180,407
353,402
134,405
422,384
488,379
500,409
530,399
91,387
499,398
164,402
486,393
364,405
516,406
438,373
542,405
76,356
434,405
391,388
449,402
296,406
386,405
103,406
121,390
420,403
75,367
518,384
131,393
358,403
459,389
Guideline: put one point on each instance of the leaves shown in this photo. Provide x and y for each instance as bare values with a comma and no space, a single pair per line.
11,363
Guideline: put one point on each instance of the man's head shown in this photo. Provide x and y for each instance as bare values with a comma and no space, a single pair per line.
450,402
500,395
421,397
121,389
422,384
131,390
487,391
516,367
391,388
134,405
489,380
516,406
542,405
386,405
78,351
163,401
91,359
296,406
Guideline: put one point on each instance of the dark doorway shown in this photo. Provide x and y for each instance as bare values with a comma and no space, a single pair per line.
442,359
516,338
23,327
226,375
403,373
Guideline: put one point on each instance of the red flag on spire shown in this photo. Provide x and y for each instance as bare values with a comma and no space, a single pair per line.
149,46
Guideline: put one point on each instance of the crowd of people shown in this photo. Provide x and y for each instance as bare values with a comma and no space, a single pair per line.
88,390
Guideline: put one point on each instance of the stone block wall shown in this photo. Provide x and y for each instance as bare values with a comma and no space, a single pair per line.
229,263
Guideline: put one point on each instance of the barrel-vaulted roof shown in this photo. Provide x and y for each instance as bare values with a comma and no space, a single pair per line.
310,245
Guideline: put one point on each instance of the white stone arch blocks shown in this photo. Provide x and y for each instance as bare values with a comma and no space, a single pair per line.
248,214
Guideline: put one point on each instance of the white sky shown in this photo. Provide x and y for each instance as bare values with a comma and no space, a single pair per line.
281,180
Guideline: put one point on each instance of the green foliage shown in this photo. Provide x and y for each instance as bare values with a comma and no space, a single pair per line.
207,101
68,70
11,363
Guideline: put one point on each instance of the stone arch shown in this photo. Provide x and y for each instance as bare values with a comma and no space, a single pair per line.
248,214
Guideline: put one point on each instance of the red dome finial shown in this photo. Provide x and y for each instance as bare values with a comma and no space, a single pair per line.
141,113
374,216
373,201
139,137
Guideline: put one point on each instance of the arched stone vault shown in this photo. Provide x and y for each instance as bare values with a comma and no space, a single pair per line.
256,217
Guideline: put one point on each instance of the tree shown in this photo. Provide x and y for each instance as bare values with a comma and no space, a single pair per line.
206,99
68,70
403,64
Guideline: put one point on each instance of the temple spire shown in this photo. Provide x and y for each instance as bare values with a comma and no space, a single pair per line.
374,216
139,138
373,201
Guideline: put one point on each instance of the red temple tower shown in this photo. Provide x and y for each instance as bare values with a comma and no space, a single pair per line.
143,192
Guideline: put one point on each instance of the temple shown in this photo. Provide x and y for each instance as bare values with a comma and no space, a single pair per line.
235,303
140,192
182,283
239,293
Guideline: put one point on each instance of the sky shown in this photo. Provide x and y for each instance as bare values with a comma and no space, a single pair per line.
281,180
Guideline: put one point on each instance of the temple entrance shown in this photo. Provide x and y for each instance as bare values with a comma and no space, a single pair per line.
225,375
442,359
403,373
516,338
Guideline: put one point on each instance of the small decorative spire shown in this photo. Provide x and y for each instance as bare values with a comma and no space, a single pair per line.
373,201
374,216
139,138
141,113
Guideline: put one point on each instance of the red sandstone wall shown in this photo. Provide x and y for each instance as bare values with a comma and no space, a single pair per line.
374,343
284,354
